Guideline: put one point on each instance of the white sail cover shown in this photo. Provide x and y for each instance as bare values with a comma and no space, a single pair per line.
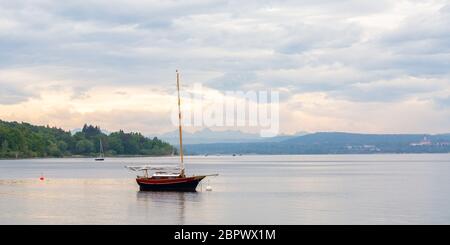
154,167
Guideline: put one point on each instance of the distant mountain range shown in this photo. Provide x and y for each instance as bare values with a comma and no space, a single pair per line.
332,143
207,136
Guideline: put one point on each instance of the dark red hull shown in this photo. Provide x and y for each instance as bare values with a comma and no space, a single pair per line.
169,184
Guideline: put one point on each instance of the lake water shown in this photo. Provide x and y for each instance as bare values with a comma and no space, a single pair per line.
310,189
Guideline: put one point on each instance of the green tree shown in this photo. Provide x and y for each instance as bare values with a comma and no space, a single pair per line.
53,150
115,144
5,147
62,146
26,140
84,146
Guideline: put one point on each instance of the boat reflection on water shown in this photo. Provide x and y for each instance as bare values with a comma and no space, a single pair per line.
160,204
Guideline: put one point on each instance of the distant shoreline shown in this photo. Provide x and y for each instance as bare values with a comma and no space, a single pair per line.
237,155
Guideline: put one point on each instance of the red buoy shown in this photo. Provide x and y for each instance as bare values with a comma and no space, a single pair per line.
42,177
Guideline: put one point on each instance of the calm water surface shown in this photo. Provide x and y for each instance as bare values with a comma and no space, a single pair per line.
321,189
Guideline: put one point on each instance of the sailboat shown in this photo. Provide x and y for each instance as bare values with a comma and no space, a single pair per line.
168,178
101,156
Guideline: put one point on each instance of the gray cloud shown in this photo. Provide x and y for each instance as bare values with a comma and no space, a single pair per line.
421,45
9,96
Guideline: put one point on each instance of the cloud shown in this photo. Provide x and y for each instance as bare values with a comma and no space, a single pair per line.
12,95
393,90
442,102
15,87
352,52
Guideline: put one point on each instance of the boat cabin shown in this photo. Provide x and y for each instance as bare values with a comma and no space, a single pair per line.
157,171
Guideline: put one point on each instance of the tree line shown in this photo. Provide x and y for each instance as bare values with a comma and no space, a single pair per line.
23,140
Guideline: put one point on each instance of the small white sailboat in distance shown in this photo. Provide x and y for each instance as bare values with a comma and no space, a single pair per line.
101,156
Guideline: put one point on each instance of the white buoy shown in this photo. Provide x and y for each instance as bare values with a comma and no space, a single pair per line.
208,188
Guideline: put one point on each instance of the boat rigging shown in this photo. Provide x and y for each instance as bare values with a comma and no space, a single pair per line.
168,178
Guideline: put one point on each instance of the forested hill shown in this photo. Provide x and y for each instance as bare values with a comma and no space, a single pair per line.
23,140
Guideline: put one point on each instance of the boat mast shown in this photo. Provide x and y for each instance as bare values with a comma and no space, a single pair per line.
179,125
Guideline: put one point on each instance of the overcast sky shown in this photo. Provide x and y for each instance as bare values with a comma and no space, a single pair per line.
357,66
